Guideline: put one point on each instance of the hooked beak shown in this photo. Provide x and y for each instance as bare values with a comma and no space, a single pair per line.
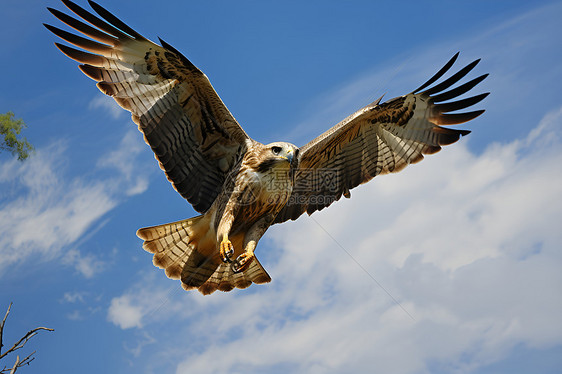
290,155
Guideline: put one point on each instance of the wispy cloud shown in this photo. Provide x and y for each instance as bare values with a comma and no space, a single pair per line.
122,158
46,215
44,211
145,339
85,305
108,105
149,302
87,265
74,297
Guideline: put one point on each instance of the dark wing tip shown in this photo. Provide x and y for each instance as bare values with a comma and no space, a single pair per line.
81,56
57,13
114,21
86,44
75,8
55,30
452,79
106,88
457,91
184,59
66,2
439,74
446,136
92,72
458,118
460,104
112,30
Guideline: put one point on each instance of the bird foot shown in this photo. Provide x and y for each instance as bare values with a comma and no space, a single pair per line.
242,262
226,250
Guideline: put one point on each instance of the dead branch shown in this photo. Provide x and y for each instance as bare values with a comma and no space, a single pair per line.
2,326
15,367
18,345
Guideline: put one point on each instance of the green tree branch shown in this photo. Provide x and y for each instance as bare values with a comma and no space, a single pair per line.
10,128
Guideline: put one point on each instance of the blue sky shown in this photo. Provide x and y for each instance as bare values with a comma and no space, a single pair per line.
468,241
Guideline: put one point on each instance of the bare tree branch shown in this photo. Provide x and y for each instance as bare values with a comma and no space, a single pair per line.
15,367
27,360
18,345
2,326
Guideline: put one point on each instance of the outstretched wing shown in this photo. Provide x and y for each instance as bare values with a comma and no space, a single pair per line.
379,139
193,135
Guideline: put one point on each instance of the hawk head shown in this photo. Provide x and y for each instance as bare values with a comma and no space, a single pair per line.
278,155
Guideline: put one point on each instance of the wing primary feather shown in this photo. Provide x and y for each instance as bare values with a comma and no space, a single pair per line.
452,79
84,28
460,104
81,56
439,74
79,41
456,118
101,24
447,136
455,92
113,20
107,88
92,72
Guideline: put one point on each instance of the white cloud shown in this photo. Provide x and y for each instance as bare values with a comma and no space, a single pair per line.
74,297
152,302
44,211
80,301
87,265
124,314
75,315
145,339
122,159
108,104
46,215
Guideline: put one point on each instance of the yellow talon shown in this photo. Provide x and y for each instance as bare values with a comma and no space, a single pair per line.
226,250
243,262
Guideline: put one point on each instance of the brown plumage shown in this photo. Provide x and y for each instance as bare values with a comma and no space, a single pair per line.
239,185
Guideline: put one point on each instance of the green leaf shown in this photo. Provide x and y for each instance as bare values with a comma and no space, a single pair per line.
10,128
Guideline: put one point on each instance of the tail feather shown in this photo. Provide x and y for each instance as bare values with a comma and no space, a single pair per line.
187,250
225,279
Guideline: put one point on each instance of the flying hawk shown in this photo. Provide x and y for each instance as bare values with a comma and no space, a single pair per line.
239,185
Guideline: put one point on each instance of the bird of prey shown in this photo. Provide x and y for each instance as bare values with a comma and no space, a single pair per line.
239,185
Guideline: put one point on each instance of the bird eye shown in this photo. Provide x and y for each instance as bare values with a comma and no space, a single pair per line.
276,150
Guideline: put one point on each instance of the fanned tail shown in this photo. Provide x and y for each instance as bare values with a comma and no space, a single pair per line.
187,251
